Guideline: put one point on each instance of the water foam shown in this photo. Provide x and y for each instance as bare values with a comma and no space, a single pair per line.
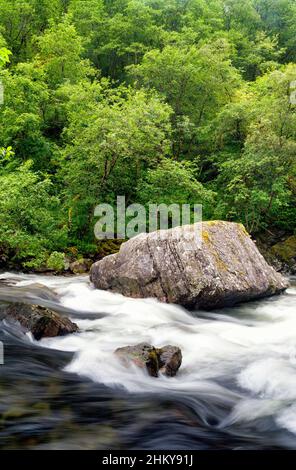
245,356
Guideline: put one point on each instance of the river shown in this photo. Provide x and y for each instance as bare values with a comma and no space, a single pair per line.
236,388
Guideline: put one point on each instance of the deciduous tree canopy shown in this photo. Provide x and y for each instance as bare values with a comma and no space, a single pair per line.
169,101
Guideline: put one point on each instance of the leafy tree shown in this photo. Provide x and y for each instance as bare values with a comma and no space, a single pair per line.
107,157
160,101
60,54
279,19
4,56
90,18
20,21
174,182
255,56
123,39
196,82
257,182
22,114
241,15
30,218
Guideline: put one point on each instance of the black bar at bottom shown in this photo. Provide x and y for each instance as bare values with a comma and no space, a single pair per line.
146,459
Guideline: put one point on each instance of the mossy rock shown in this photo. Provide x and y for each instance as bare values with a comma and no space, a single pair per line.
81,266
143,355
166,360
176,268
286,250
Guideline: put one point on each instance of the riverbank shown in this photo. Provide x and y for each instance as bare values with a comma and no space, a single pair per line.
278,248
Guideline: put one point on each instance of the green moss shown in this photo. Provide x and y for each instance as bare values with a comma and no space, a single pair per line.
285,250
153,355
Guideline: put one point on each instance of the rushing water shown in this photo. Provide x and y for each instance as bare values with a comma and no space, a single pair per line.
236,388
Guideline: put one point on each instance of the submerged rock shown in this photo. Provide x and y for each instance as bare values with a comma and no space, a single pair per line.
170,360
142,355
40,321
166,360
226,269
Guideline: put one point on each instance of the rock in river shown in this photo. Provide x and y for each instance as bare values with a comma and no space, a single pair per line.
225,269
40,321
166,360
81,266
169,359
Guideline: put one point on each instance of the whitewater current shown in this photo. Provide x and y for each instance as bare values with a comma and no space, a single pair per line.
236,387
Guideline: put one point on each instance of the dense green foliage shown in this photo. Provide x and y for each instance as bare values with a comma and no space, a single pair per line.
174,101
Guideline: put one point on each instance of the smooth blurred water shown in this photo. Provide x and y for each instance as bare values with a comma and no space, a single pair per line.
236,388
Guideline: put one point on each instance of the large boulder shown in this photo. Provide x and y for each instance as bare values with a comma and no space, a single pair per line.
166,360
40,321
225,269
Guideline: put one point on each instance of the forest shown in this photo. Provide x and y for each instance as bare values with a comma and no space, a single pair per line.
162,101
